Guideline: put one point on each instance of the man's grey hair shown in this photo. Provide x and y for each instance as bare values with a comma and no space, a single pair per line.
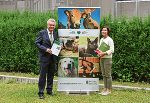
51,20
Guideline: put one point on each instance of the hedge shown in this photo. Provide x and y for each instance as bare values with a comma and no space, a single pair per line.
18,53
131,60
18,32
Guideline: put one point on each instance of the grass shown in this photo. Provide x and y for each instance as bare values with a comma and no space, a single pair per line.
27,93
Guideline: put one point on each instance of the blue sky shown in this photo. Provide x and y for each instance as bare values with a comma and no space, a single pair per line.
62,17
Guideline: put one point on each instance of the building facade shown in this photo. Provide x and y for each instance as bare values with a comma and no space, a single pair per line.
114,7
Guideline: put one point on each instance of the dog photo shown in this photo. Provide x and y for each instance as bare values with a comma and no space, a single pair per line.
69,46
88,67
87,46
79,18
67,67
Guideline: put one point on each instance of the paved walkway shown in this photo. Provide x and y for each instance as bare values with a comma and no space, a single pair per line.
35,80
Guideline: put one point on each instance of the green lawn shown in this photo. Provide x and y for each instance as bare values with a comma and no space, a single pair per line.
27,93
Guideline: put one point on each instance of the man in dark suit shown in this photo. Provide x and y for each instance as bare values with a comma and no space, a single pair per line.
48,61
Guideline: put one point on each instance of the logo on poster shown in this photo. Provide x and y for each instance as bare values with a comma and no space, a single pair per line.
78,32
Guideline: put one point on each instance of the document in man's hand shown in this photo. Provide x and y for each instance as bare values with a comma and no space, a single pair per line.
56,48
104,47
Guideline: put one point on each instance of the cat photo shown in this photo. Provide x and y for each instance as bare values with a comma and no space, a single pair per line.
87,45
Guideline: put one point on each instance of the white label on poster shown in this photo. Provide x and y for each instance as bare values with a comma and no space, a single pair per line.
78,84
78,32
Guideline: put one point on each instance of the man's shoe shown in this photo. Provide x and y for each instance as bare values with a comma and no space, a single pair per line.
50,93
41,96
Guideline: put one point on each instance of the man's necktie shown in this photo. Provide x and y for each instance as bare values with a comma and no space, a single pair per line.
51,38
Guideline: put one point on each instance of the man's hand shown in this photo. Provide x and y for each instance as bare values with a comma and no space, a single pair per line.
62,47
49,50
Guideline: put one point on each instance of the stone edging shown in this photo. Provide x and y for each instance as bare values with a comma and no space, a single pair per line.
35,80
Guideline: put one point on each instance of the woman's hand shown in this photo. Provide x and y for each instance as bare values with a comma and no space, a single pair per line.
101,54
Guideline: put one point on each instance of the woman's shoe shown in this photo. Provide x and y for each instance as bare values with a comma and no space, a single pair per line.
108,91
103,91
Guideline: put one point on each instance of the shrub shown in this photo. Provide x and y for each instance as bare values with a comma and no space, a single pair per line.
131,60
18,32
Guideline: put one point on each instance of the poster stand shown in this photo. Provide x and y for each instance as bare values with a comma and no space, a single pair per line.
78,66
78,92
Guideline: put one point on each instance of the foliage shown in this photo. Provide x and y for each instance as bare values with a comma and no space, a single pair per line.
18,32
131,60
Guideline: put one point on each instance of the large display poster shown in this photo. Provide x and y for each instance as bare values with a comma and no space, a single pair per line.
78,30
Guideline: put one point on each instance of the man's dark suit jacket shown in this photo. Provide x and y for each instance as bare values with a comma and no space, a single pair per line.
43,42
